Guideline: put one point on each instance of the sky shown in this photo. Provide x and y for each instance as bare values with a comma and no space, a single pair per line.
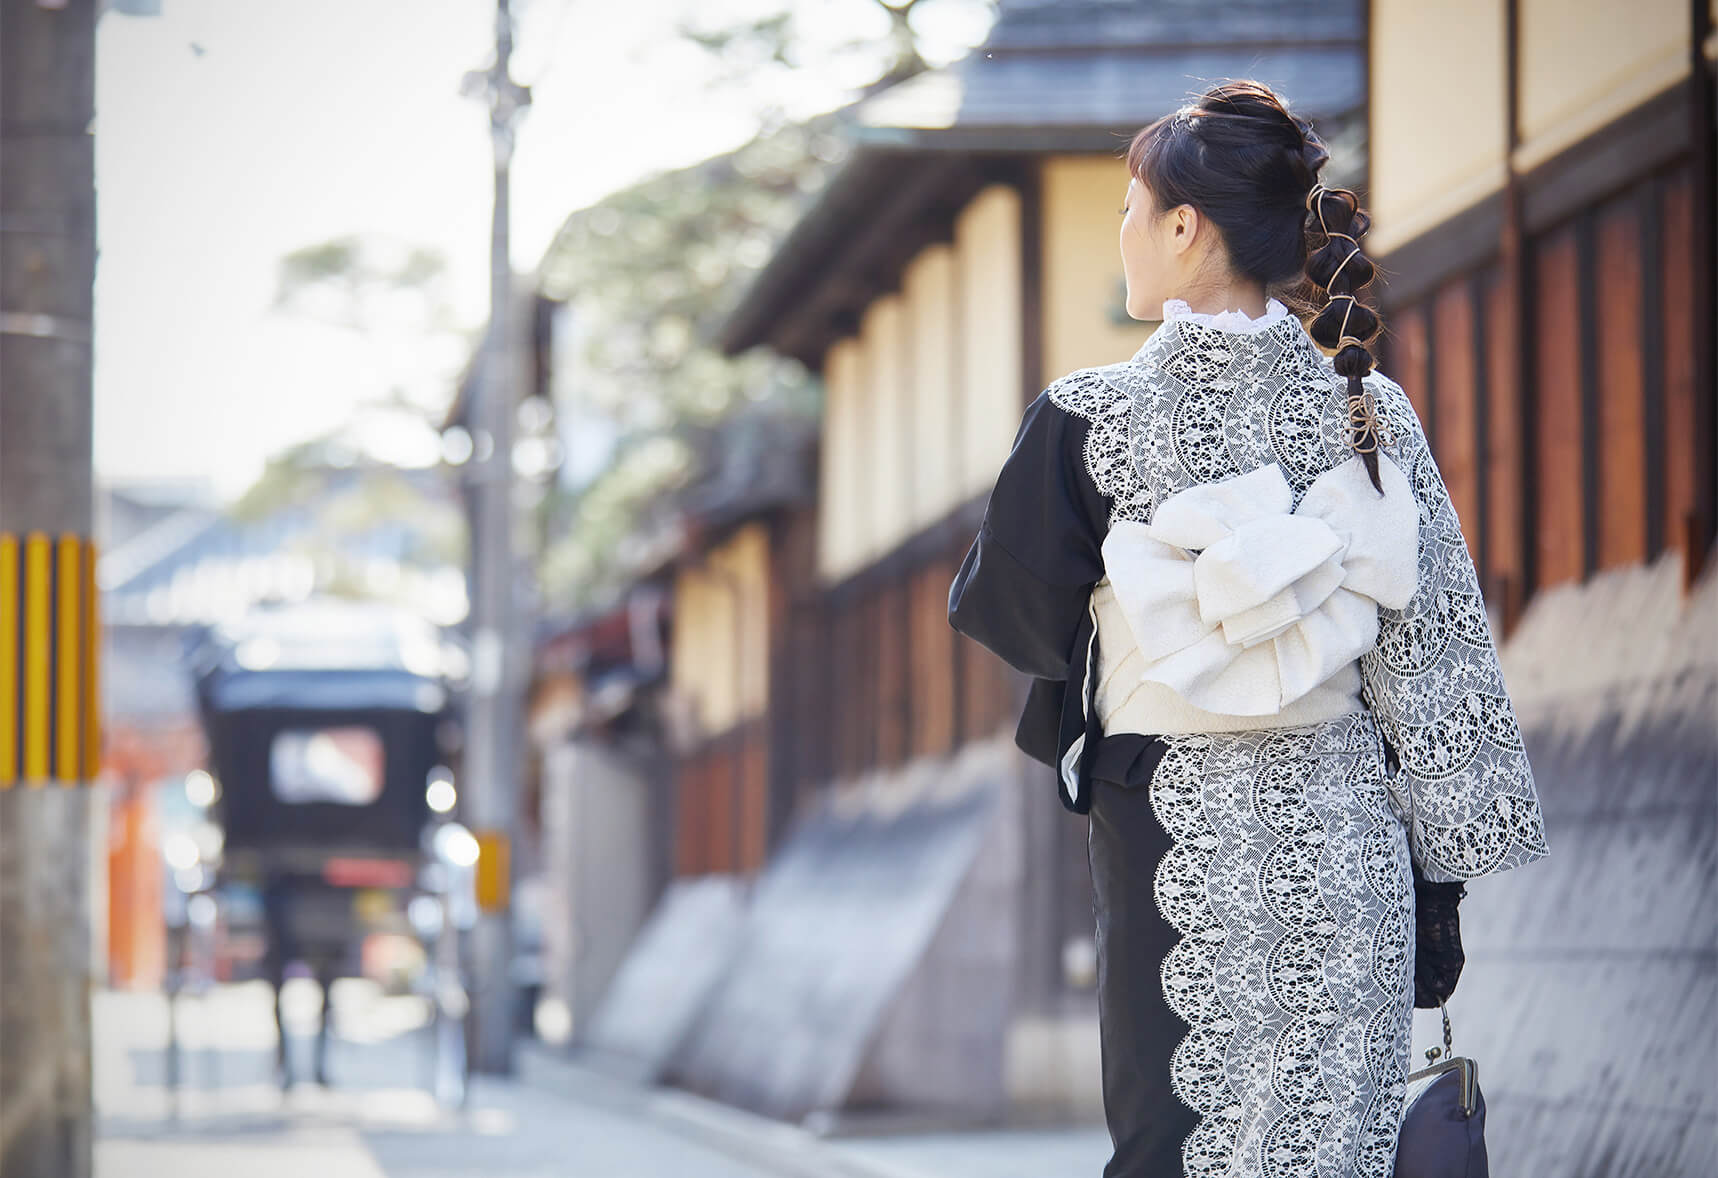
231,132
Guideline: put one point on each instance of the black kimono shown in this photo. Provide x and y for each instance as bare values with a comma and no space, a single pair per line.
1024,591
1255,889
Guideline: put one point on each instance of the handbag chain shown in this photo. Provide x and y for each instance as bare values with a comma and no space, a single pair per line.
1448,1049
1466,1068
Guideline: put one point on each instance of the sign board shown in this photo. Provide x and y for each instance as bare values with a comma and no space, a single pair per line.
494,874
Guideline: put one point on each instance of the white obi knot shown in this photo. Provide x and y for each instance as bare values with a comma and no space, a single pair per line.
1241,606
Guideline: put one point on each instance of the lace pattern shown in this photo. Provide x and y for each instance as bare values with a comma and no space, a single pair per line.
1290,885
1226,320
1436,684
1198,404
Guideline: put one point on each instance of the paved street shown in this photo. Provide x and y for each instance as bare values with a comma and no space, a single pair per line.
379,1121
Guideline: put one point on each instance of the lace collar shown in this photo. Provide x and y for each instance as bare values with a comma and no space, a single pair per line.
1177,310
1184,331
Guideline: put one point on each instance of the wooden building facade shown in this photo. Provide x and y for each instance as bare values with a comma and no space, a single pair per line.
1541,176
719,665
1542,182
742,555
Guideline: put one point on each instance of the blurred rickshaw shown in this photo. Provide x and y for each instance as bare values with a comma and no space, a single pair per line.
327,729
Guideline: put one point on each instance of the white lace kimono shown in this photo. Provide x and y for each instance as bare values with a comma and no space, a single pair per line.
1284,847
1200,404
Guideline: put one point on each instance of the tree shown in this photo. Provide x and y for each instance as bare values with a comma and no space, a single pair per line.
783,39
648,274
345,280
393,299
368,483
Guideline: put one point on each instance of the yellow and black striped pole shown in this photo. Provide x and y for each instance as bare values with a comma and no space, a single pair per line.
51,895
50,729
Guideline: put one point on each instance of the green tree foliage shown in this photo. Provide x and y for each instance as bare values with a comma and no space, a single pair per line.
651,272
366,285
648,275
392,297
784,40
352,496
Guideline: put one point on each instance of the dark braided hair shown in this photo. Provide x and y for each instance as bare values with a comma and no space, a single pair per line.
1239,156
1337,265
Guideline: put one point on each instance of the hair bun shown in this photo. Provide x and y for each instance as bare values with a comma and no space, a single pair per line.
1245,161
1313,153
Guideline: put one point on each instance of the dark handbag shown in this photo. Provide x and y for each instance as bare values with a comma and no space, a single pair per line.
1443,1121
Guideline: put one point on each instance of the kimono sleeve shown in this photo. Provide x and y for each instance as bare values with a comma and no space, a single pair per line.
1023,587
1435,685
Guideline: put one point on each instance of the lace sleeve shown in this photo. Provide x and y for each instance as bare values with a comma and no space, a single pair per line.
1110,414
1434,683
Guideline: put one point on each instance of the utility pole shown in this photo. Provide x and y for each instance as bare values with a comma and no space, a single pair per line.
49,746
495,727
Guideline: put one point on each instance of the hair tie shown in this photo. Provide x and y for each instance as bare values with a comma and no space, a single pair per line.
1337,273
1363,418
1342,332
1315,203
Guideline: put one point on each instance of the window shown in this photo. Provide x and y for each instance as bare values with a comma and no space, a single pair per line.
338,765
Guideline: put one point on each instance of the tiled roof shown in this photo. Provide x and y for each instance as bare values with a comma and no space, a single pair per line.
1098,92
1051,77
1116,66
199,566
1065,24
196,566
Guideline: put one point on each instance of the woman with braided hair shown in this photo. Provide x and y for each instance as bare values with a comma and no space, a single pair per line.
1261,666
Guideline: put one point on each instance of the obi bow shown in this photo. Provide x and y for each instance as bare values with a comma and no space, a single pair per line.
1241,606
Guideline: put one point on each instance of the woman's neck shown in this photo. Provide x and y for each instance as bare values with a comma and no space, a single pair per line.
1246,297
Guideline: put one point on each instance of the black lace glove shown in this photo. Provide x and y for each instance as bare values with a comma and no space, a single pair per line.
1438,957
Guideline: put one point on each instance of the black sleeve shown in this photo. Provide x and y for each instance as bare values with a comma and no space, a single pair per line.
1022,590
1438,954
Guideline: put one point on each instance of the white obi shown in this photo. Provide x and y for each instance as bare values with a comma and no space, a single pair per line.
1233,606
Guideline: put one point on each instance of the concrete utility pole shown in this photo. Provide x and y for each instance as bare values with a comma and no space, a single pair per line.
48,742
495,728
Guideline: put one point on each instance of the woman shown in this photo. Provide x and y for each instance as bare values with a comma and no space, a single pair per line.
1261,665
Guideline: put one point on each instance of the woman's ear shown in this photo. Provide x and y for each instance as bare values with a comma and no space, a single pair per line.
1184,227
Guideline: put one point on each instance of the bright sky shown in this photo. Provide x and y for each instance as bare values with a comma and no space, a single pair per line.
230,132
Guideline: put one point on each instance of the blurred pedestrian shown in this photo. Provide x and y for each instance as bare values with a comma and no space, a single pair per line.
285,900
1262,667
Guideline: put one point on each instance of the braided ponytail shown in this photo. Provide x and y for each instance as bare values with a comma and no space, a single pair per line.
1335,263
